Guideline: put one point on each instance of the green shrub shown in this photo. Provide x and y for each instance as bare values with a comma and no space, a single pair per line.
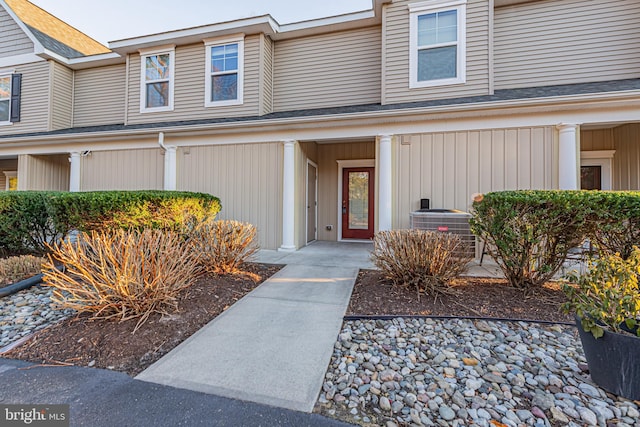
425,260
223,246
30,219
607,294
529,233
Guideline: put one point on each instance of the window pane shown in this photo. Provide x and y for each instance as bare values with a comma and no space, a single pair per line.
157,94
224,58
437,63
157,67
358,200
4,111
440,27
5,87
224,88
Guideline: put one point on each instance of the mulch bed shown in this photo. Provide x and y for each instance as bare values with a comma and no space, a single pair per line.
471,297
110,344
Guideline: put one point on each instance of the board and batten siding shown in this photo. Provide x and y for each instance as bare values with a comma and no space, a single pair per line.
34,111
246,177
136,169
50,172
449,167
61,96
328,156
626,160
561,42
596,139
99,97
328,70
13,41
189,93
396,53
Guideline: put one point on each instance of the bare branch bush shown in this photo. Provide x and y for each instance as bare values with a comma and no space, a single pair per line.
16,268
121,274
425,260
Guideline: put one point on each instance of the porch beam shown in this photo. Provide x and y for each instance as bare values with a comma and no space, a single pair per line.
74,171
568,157
288,197
385,184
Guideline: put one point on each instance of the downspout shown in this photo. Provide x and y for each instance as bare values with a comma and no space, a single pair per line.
170,166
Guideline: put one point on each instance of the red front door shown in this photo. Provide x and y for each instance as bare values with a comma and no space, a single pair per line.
357,203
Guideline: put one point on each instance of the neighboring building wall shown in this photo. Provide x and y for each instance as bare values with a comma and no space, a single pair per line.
13,41
626,161
61,96
246,177
395,45
448,168
266,85
189,86
558,42
99,96
328,155
597,139
135,169
47,172
34,99
328,70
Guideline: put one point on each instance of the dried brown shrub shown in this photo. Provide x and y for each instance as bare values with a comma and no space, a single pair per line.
422,259
16,268
121,274
224,246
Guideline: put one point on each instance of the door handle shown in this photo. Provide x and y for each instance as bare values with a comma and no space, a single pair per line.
344,207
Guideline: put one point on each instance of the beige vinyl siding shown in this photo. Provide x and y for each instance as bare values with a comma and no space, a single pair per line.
61,96
246,177
47,172
99,96
396,64
597,139
448,168
328,70
6,165
626,160
328,155
139,169
34,111
304,151
266,86
13,41
189,83
571,41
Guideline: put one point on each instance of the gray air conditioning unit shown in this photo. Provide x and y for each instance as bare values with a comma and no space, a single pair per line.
445,221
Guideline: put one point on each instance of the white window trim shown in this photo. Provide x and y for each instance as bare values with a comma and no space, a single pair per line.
602,158
144,53
8,175
7,73
417,9
208,43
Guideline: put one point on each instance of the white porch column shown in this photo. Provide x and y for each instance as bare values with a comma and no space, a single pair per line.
385,181
74,171
568,157
170,168
288,198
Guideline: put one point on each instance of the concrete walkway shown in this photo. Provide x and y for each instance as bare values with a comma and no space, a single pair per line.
274,345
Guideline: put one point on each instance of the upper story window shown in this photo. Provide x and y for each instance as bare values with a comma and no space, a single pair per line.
157,79
224,71
437,42
5,98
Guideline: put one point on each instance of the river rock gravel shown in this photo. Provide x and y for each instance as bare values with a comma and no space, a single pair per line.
428,372
27,311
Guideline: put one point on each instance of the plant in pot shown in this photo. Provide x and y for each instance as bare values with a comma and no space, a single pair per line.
606,303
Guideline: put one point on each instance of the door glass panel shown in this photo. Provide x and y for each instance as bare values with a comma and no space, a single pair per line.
358,200
590,177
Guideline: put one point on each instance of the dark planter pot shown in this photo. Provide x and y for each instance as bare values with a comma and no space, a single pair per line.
613,361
